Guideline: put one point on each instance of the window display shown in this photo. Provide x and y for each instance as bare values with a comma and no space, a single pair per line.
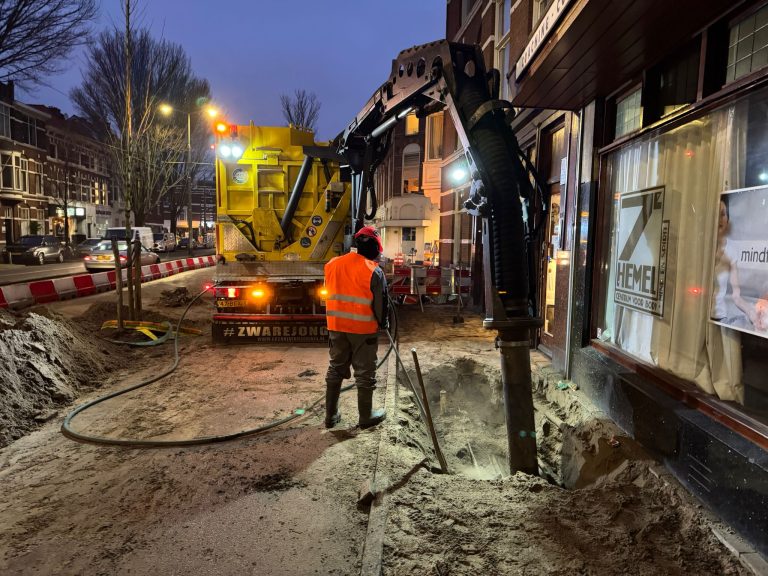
676,290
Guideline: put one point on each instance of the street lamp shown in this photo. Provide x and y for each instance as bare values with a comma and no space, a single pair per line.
167,110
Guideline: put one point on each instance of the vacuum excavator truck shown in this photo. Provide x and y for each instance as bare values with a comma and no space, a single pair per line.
283,212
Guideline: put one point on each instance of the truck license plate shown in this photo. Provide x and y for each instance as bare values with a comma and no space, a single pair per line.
231,303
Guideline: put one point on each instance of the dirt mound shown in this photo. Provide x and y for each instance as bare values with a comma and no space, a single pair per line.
602,505
45,362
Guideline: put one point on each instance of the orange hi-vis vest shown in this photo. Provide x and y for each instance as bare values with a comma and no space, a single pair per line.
349,303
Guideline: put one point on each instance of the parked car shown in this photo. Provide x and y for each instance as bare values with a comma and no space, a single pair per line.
184,243
87,246
102,257
164,242
35,249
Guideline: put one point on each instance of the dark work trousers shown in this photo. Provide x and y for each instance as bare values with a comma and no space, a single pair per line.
357,351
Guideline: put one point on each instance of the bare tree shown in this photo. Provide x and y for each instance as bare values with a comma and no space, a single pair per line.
129,75
301,110
37,35
161,73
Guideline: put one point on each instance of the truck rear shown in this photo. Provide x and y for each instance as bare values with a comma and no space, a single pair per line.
283,212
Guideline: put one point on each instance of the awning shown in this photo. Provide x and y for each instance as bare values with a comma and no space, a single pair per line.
598,45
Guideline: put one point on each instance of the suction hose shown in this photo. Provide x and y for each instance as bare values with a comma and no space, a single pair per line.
66,426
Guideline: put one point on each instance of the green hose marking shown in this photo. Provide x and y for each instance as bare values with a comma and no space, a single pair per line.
299,411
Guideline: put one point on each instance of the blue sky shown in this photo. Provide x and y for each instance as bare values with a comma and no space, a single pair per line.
251,51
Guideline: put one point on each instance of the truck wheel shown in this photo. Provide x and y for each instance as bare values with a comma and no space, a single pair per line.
41,258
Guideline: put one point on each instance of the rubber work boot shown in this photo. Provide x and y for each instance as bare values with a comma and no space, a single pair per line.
332,413
368,416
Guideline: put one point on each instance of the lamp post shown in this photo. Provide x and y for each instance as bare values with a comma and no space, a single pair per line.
167,110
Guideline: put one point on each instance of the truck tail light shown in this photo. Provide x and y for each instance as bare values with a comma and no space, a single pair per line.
323,292
232,292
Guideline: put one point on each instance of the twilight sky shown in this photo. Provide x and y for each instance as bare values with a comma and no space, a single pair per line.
251,51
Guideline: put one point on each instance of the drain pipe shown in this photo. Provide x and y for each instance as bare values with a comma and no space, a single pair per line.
293,199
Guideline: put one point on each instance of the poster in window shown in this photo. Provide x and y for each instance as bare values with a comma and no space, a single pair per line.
641,251
740,263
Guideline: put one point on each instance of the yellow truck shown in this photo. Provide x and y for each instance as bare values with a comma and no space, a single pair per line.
283,203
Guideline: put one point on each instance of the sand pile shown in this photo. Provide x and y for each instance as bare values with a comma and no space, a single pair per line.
45,363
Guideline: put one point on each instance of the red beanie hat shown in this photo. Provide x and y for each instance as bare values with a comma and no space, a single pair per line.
371,232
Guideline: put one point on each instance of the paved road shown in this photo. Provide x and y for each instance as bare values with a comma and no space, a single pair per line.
15,273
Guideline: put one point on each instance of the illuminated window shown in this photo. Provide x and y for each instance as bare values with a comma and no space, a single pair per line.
435,136
748,45
411,167
411,124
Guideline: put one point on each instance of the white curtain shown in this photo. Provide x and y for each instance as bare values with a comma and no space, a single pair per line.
694,163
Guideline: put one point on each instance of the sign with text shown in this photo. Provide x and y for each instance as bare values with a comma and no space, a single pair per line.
543,30
642,238
740,262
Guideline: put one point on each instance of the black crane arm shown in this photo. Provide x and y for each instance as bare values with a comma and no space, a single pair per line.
452,76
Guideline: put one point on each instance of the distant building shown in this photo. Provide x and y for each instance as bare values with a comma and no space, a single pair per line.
407,215
23,145
77,179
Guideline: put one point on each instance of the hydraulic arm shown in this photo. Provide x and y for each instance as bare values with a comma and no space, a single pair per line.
451,76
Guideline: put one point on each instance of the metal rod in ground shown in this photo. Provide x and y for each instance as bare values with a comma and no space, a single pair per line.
416,286
407,377
430,424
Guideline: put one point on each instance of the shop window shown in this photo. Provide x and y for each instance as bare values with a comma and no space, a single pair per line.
748,45
683,289
409,234
435,136
411,124
629,114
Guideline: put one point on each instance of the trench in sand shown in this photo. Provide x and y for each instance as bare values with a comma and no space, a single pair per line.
576,447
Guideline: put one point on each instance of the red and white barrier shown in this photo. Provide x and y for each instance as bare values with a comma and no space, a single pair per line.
43,291
413,281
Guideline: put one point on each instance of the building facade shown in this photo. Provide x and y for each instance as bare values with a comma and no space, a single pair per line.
406,184
77,180
23,145
650,133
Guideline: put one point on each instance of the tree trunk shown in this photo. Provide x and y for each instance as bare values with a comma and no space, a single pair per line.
118,285
137,278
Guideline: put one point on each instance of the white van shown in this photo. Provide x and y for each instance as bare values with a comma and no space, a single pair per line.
142,233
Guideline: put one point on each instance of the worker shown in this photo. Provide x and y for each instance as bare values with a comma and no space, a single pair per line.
356,307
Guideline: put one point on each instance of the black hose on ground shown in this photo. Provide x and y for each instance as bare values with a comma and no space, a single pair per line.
66,428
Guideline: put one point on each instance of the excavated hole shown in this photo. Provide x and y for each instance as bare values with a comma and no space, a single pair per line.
466,399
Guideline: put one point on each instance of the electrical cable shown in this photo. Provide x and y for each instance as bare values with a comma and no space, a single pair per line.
67,430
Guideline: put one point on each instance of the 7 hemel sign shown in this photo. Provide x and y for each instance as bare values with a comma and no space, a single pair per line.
641,251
